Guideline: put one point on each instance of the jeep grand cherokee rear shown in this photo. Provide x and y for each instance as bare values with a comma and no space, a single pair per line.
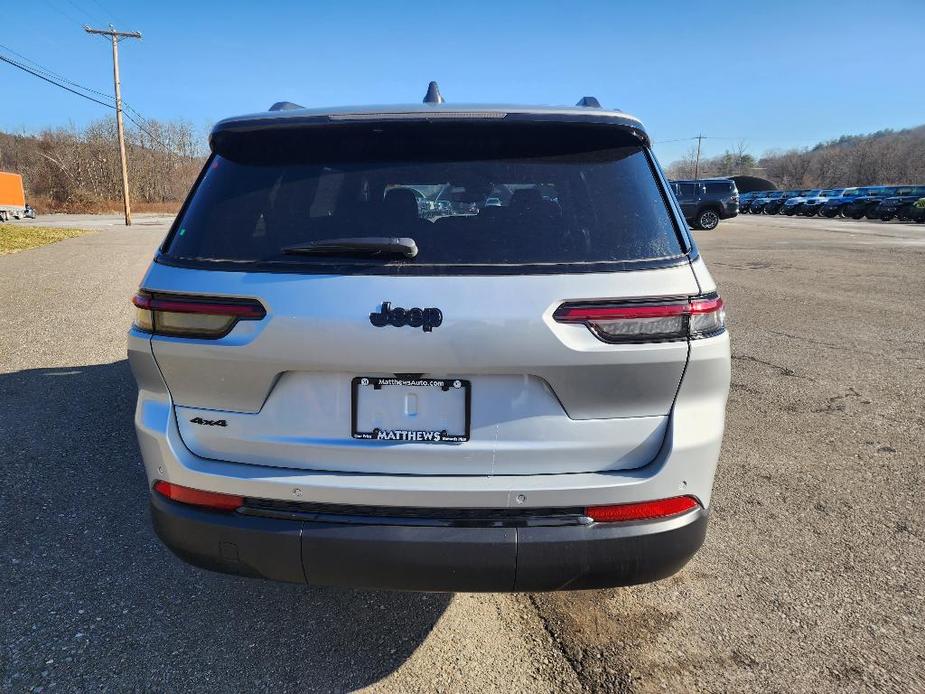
342,382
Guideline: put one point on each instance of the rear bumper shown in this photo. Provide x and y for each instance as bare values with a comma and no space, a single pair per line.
377,553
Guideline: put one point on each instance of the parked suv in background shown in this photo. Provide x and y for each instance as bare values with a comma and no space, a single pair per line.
900,203
794,205
706,202
865,204
812,205
745,200
775,204
759,203
917,213
335,390
836,206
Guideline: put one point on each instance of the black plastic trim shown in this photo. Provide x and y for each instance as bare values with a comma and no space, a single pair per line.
404,515
411,269
382,553
258,547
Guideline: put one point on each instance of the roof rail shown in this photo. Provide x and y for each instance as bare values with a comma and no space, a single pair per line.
589,102
433,95
285,106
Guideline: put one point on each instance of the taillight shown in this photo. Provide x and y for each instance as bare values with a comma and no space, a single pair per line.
648,321
196,497
192,316
646,510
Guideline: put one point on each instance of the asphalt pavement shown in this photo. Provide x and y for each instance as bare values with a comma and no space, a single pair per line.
811,578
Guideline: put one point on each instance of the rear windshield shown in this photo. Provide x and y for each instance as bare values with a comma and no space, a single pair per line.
472,199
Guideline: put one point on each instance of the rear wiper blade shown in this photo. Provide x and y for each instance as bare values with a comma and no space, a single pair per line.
365,245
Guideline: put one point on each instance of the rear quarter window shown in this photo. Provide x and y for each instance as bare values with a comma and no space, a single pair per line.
720,188
474,199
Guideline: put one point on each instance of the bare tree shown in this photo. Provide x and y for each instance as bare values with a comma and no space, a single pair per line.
78,169
884,157
685,167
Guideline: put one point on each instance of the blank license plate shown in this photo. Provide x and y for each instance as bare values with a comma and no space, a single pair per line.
415,410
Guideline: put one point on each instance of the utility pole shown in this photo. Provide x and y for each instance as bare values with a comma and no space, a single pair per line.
117,36
699,139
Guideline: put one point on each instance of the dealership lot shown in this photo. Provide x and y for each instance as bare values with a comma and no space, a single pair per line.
811,578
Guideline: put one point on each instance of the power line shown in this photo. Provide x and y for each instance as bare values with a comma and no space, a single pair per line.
145,130
50,73
80,9
67,15
24,68
54,78
701,137
106,11
128,106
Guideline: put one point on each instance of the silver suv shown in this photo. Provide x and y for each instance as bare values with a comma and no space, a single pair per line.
342,381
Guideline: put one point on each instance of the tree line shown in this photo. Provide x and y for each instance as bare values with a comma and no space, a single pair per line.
77,169
884,157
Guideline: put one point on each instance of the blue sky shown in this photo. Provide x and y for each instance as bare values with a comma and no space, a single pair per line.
775,74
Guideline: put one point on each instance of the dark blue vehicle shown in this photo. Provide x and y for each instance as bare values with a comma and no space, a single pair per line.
794,205
866,205
901,204
745,199
705,202
759,203
835,207
777,205
812,206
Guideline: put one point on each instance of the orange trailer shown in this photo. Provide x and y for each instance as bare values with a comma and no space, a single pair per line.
12,197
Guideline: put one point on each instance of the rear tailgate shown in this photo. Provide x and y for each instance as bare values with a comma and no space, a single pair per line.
530,219
546,397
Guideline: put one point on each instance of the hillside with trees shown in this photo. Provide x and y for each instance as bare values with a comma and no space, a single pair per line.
77,169
884,157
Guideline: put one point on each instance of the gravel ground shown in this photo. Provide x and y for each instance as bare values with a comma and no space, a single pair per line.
811,578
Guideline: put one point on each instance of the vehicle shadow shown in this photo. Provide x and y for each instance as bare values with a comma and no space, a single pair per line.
93,600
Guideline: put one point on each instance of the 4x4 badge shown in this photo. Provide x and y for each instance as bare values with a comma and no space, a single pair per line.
209,422
426,318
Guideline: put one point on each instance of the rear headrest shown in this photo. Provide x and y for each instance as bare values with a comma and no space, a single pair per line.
400,205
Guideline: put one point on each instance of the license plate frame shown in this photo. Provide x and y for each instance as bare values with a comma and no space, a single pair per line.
410,435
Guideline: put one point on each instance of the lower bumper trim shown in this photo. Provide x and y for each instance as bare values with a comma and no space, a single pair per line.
389,555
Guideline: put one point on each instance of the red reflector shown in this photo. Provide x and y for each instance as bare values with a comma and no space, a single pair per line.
646,510
197,497
209,306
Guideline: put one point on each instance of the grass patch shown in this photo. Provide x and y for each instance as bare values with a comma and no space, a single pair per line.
14,237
